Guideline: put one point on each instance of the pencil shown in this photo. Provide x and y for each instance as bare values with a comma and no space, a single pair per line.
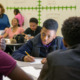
27,53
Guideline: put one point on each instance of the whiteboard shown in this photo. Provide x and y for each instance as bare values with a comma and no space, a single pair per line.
43,9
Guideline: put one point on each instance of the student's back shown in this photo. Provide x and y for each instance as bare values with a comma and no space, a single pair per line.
65,64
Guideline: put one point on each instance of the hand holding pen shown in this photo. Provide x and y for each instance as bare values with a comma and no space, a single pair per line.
28,58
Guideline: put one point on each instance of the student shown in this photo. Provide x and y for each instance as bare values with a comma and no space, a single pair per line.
14,30
8,66
11,32
4,21
65,64
42,44
19,16
33,30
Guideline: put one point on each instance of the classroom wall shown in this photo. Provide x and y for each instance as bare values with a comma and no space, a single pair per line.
43,9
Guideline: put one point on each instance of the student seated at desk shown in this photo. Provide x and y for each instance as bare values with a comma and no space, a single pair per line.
65,64
42,44
8,66
33,30
14,30
10,32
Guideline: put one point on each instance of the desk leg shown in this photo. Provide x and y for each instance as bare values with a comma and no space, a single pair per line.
14,48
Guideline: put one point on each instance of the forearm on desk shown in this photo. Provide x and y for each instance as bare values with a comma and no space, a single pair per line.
18,56
20,53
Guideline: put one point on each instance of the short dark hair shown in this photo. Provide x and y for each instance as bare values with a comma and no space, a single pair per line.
17,11
50,24
34,20
71,31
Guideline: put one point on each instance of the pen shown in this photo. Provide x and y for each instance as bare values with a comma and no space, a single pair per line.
27,53
31,58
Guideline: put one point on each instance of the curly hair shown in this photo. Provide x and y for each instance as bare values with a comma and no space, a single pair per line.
2,8
71,30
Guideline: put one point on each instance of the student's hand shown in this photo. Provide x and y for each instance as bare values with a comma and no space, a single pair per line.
31,37
0,36
43,61
28,37
6,29
29,58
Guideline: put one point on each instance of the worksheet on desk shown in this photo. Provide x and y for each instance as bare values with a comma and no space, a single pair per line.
37,61
32,71
37,64
6,78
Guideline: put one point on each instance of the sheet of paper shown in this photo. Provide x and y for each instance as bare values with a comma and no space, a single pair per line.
37,64
5,78
32,71
37,61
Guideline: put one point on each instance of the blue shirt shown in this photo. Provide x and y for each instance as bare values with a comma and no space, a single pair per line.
4,22
43,50
48,48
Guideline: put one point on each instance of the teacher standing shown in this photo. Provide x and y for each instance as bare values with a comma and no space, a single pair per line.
4,21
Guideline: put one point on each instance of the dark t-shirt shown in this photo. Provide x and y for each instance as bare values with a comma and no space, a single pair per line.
7,64
33,33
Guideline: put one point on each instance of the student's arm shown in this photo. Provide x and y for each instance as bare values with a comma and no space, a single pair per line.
5,35
19,74
9,68
20,53
43,61
21,30
28,58
23,33
43,72
27,31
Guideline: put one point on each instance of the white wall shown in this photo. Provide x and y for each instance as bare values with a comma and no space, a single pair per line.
59,15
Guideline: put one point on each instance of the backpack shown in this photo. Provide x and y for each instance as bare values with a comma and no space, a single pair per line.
19,38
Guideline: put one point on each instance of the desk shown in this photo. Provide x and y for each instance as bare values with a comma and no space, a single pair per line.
35,65
25,64
14,45
33,72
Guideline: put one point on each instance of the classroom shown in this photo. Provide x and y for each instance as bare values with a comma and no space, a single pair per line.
39,40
